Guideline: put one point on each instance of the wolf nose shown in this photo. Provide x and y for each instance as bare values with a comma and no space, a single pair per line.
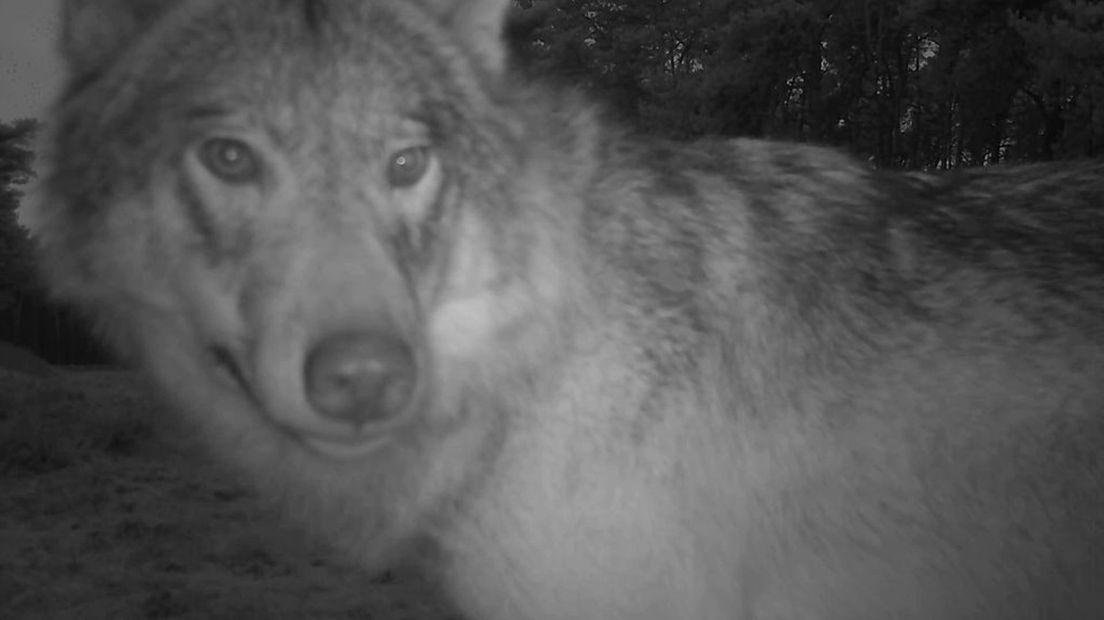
360,377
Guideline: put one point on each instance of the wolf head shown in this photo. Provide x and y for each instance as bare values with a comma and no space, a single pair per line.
95,32
304,218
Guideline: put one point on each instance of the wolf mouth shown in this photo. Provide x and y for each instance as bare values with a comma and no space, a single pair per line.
358,389
228,367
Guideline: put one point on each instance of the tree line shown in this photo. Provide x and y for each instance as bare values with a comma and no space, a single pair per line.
27,316
914,84
910,84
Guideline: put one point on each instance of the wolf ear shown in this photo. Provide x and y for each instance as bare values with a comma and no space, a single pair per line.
479,24
94,32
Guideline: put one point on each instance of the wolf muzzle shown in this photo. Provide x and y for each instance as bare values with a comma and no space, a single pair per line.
360,377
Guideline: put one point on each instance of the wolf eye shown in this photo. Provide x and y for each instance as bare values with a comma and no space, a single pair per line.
231,160
408,166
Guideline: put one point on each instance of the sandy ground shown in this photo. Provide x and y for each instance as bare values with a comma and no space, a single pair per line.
106,513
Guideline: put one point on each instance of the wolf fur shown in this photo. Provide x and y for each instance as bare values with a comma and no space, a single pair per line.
637,379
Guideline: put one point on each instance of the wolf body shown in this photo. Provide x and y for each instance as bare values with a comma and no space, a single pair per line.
453,317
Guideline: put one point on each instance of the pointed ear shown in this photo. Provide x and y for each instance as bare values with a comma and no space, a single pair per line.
94,32
479,24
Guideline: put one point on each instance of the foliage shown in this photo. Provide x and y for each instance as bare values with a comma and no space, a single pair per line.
27,316
908,83
16,159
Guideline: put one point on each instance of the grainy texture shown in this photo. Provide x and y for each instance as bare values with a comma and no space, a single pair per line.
446,315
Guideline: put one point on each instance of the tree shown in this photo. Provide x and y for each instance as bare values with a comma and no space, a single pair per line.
16,160
906,83
1064,94
27,316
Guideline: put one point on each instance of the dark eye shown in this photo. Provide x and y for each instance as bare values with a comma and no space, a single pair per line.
408,166
231,160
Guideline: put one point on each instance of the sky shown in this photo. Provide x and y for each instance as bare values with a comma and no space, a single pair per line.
30,71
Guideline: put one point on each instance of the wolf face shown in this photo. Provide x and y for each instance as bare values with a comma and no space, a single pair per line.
594,376
301,225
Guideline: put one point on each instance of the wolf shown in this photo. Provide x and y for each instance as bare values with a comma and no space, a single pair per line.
460,319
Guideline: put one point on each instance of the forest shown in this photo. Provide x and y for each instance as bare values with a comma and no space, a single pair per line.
903,84
914,84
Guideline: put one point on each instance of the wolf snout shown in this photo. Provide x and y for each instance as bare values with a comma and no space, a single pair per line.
360,378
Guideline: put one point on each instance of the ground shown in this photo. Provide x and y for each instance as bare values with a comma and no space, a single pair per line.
108,512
